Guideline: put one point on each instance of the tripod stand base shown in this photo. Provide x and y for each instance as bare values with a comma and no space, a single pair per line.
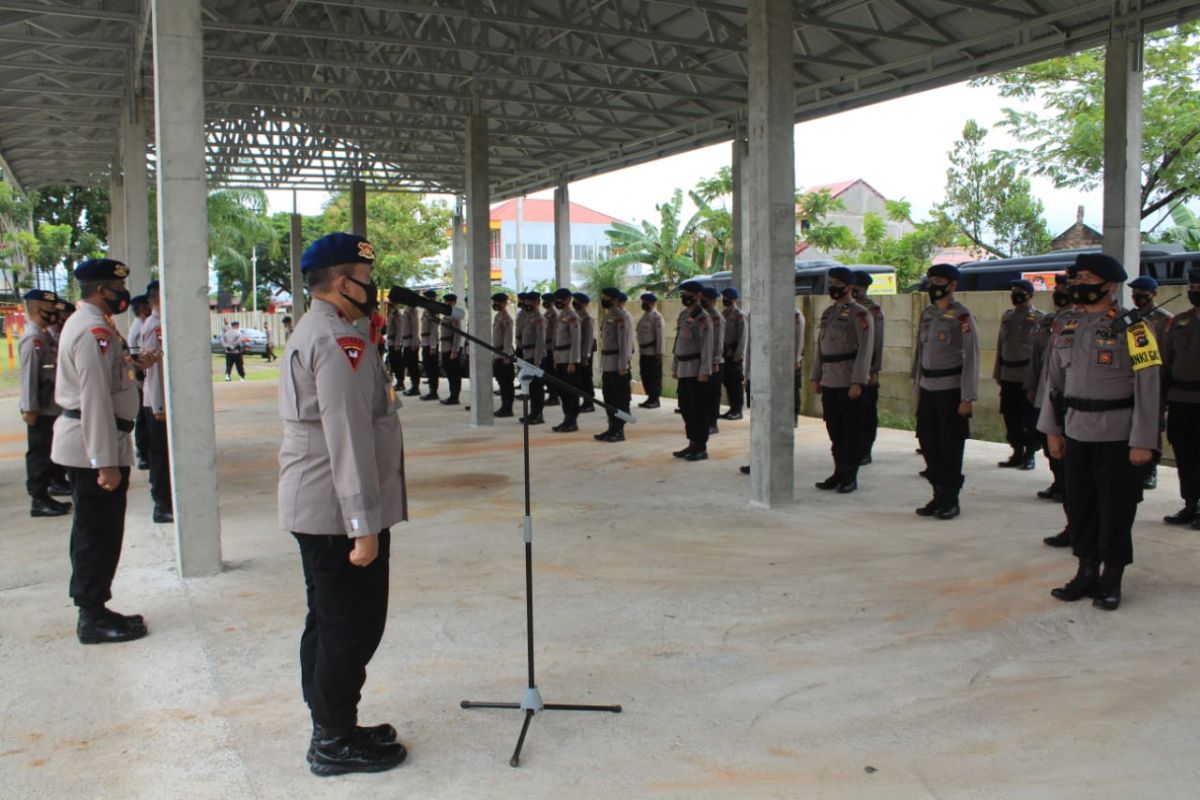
531,705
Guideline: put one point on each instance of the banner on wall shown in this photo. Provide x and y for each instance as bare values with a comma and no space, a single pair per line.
882,283
1042,281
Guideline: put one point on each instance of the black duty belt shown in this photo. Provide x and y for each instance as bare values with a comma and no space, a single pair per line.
562,347
123,425
692,357
941,373
833,359
1013,364
1191,386
609,352
1084,404
647,344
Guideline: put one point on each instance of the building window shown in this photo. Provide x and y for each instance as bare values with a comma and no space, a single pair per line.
583,252
510,252
537,252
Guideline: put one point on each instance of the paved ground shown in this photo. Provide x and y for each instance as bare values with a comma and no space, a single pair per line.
841,648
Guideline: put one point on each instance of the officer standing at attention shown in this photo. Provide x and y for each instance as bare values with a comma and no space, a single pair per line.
519,325
708,301
845,347
550,304
410,353
692,366
1181,354
341,488
154,408
502,339
95,388
733,377
651,343
232,340
1050,324
1014,360
1111,381
862,283
587,349
39,358
395,356
450,343
1144,293
568,355
946,375
431,331
139,308
616,352
533,350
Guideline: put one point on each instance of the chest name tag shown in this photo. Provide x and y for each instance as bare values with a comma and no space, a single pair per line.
1143,349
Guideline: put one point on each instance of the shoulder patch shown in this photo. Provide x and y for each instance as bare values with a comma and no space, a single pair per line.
965,321
863,321
37,344
1143,349
353,348
103,337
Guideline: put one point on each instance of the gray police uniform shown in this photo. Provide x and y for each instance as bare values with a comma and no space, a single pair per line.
154,406
587,349
691,359
533,350
616,352
733,377
1014,362
39,361
871,390
96,388
502,339
232,341
651,344
410,353
1181,355
551,316
946,373
568,351
713,387
430,332
1034,379
845,348
450,342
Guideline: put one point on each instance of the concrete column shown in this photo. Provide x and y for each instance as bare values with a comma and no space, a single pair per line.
458,250
296,249
358,208
479,314
116,214
733,259
183,239
1123,151
136,195
562,235
768,273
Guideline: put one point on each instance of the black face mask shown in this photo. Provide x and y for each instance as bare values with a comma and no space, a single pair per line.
727,302
1086,294
371,303
577,306
49,318
1061,299
858,294
560,304
119,301
1140,299
837,292
937,292
606,303
1194,298
496,306
1018,298
687,299
646,306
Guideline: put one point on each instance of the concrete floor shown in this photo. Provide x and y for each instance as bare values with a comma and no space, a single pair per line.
842,648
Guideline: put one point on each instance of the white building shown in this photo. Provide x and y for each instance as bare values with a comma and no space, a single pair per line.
859,198
530,223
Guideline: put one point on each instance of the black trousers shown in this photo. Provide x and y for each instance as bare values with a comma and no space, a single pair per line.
713,395
39,469
97,530
570,400
347,612
1183,432
1103,492
395,362
650,368
433,369
693,407
870,400
412,365
551,368
139,428
844,421
505,374
1056,464
733,378
584,380
160,464
942,433
1020,424
453,370
234,360
617,392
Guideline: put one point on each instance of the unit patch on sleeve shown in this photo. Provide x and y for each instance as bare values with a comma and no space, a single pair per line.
103,338
353,347
1143,349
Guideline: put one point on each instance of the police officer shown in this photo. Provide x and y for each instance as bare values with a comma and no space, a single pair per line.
38,351
870,393
616,353
1144,293
733,377
568,357
651,344
154,408
1049,325
1110,380
708,301
550,312
139,307
96,389
450,344
691,366
431,331
845,346
502,339
946,375
580,302
1014,361
232,341
533,350
410,358
395,355
1181,355
341,488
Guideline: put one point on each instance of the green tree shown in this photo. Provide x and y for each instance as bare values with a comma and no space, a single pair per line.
591,277
403,227
18,246
811,210
664,248
1185,231
274,258
910,254
990,199
1066,143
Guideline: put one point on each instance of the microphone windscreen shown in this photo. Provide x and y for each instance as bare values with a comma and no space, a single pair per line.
406,296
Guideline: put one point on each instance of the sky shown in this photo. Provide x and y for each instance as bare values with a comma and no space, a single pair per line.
900,147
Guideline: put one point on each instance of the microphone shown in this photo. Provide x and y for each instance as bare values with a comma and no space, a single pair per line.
406,296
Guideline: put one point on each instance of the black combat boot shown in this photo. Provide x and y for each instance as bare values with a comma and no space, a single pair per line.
829,483
1108,594
1015,460
1060,539
1184,516
1084,584
102,626
930,508
1028,459
356,750
47,506
685,452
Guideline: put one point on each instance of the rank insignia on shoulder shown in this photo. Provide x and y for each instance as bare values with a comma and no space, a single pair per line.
353,347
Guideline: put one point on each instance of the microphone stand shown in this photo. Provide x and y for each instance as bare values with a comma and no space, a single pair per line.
531,701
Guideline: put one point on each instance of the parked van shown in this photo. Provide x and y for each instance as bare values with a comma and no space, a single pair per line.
994,275
812,277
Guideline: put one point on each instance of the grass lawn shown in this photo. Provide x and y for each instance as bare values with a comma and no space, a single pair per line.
257,369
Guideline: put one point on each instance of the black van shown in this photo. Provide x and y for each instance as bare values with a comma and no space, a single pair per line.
812,275
994,275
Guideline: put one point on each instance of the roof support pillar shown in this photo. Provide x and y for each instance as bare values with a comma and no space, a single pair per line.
295,250
458,249
358,208
768,273
136,197
1123,150
737,173
479,284
562,235
183,241
116,215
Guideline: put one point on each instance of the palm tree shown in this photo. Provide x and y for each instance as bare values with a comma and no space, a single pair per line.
664,248
594,277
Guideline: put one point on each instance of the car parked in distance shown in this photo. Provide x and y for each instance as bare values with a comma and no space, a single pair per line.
254,342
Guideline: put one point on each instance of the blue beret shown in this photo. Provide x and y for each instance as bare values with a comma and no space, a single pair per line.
1144,282
710,293
499,296
649,296
1021,283
691,286
430,293
731,293
449,296
843,274
101,269
582,298
548,296
948,271
68,307
622,296
139,300
1193,275
45,295
1061,279
863,278
1102,266
562,294
337,248
610,291
152,286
